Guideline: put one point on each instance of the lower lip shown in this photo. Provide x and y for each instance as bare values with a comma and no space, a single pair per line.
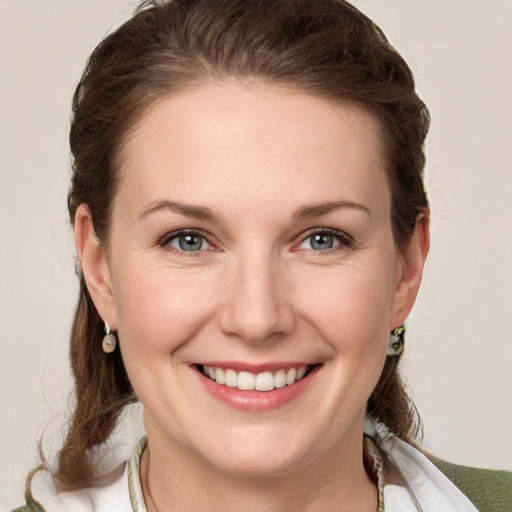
256,401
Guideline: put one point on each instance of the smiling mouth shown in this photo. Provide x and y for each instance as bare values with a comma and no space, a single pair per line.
248,381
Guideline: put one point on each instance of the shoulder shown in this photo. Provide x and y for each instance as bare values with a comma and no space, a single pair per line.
112,488
489,490
439,485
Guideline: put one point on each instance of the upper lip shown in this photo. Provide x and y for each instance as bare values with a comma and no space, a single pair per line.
240,366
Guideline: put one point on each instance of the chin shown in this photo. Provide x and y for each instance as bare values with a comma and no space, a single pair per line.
257,465
266,454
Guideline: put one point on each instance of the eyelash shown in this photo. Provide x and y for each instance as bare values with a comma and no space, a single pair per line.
345,241
165,241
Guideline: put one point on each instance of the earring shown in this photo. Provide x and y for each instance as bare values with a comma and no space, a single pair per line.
109,340
396,341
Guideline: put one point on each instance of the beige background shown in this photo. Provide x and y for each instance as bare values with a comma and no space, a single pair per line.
459,354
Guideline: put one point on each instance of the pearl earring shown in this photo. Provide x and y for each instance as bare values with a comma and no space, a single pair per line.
109,340
396,341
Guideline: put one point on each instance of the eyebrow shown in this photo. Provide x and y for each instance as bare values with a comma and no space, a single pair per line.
196,212
317,210
205,213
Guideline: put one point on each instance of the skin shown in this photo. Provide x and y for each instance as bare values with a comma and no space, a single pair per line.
257,292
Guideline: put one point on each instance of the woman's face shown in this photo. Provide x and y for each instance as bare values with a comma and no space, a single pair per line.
251,240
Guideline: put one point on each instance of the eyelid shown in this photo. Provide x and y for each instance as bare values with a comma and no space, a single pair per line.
164,240
345,239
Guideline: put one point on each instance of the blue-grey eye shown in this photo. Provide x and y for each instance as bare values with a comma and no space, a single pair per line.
188,242
322,241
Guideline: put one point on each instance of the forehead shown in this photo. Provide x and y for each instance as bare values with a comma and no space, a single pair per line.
260,142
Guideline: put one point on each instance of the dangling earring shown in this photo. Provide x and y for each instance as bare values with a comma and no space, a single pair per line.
396,341
109,340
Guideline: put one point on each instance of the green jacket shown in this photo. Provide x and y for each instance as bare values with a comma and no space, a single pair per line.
489,490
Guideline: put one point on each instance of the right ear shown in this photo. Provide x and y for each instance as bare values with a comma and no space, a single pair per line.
94,266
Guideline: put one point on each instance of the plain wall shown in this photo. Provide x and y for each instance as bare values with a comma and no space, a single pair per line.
459,349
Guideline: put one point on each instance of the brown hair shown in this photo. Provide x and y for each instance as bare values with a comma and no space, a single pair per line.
323,47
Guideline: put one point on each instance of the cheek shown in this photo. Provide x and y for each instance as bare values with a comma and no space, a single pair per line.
352,305
159,310
350,310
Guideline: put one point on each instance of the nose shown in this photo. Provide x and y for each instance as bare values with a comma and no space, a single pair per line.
257,306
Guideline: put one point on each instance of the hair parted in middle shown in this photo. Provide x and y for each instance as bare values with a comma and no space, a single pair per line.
326,48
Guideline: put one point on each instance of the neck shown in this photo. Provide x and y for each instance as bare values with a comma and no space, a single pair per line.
337,481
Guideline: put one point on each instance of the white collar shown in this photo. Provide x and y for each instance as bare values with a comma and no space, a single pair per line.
419,485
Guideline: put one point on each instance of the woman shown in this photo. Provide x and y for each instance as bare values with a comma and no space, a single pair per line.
251,226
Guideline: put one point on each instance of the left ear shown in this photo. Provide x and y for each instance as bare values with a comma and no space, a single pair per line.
412,259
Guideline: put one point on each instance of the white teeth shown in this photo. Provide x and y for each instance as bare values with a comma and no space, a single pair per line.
301,372
247,381
219,375
231,379
264,381
280,379
291,374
